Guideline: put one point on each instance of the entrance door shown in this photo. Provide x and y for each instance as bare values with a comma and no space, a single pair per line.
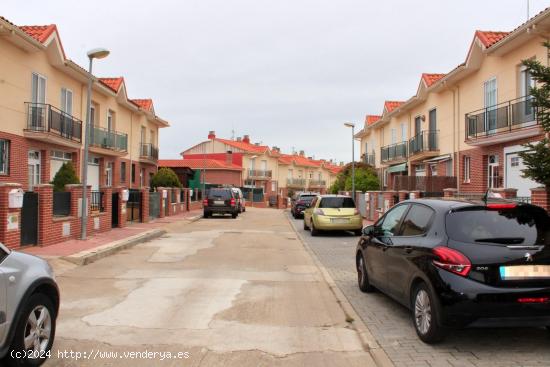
490,92
93,173
34,168
514,167
493,174
114,211
29,219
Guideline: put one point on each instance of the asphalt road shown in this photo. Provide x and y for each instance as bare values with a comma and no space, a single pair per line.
219,291
391,325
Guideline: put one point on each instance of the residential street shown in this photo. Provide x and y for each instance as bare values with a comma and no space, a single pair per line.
391,325
232,292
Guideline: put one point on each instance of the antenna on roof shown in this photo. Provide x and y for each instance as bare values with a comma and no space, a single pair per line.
232,134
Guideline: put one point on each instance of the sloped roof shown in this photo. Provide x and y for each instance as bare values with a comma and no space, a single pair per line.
392,105
199,164
430,79
112,83
371,119
39,32
489,38
298,160
145,103
247,147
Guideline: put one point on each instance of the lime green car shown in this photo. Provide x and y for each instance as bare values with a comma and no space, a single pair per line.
333,213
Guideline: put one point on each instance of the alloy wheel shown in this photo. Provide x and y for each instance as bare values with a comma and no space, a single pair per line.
38,330
422,312
360,271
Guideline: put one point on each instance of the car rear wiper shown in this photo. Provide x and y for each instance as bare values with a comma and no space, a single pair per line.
503,240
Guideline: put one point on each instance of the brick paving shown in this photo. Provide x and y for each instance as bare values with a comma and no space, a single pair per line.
74,246
391,325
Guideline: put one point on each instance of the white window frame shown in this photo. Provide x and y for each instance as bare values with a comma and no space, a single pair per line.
110,121
109,174
67,101
467,163
36,98
37,168
5,155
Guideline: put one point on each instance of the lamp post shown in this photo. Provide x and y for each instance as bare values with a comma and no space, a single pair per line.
349,124
96,53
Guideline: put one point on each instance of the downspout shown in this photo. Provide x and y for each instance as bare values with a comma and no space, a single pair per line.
456,155
131,145
458,137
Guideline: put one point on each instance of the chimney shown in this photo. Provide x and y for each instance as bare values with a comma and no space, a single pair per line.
211,134
310,158
276,149
257,144
302,153
229,157
239,138
246,139
341,164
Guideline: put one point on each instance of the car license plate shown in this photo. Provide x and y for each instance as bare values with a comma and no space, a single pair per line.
525,272
339,220
219,202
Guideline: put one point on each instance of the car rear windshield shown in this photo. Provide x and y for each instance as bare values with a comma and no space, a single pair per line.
523,225
307,198
337,202
219,194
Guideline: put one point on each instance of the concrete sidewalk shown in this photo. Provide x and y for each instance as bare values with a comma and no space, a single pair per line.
72,247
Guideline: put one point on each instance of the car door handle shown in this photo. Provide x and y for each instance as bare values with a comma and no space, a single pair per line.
408,249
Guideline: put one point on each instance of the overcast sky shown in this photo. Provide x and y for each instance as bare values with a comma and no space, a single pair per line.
286,72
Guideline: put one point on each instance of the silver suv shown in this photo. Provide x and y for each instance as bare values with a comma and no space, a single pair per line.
29,303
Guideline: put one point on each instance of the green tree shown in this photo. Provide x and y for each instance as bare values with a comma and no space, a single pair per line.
365,178
165,177
537,158
65,176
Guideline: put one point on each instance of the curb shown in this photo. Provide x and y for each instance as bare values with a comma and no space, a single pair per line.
367,339
89,256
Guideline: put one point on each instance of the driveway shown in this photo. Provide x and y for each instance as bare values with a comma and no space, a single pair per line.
391,325
221,291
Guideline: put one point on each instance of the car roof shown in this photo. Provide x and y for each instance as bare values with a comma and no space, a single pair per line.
334,196
457,203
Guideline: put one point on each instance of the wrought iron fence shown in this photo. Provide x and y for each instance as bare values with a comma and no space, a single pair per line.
96,202
425,141
61,204
43,117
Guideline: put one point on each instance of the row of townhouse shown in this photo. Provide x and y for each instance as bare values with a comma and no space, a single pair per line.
42,109
467,125
268,168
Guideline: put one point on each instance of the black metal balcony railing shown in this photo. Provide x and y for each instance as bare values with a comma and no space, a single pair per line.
296,182
393,151
425,141
46,118
259,173
317,183
104,138
149,151
501,118
96,201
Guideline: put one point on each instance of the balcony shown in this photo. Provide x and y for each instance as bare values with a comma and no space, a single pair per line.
296,182
49,124
510,120
108,142
149,153
393,153
424,145
259,174
317,183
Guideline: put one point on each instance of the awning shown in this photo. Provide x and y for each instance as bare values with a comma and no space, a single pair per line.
397,168
441,158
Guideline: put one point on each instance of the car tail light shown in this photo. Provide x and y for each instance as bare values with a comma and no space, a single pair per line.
205,202
534,300
501,205
233,202
300,202
319,212
452,260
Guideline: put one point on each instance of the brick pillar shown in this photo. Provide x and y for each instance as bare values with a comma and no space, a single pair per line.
185,206
389,200
541,196
160,190
449,193
10,233
415,194
121,208
506,193
45,213
402,195
144,204
107,216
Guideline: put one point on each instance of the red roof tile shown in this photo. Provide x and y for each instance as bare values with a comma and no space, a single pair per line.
112,83
430,79
199,164
298,160
371,119
489,38
146,104
247,147
39,32
392,105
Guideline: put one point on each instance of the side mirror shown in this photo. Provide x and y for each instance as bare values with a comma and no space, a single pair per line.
368,231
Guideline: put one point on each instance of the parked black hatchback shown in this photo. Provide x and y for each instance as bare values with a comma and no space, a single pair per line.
460,263
220,201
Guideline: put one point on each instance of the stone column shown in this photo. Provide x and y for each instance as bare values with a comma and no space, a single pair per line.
10,218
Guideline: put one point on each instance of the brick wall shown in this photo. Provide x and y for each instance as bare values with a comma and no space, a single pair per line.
223,177
9,237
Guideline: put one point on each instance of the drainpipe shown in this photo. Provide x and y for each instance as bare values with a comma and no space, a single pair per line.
457,93
131,145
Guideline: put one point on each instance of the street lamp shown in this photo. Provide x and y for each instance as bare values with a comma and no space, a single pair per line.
349,124
96,53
